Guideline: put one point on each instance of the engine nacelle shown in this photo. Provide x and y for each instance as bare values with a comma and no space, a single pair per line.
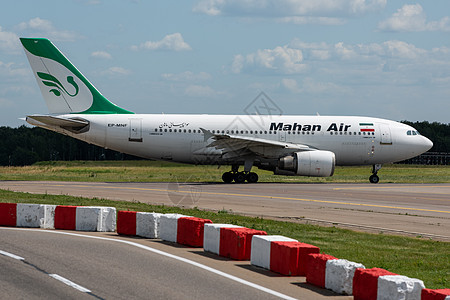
318,163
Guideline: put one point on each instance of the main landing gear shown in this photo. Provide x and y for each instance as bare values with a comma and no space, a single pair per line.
374,177
239,177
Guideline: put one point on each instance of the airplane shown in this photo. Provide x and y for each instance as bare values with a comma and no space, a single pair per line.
286,145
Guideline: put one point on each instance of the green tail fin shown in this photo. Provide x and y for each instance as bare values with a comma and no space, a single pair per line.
63,87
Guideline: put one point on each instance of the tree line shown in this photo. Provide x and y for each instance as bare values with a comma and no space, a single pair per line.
24,146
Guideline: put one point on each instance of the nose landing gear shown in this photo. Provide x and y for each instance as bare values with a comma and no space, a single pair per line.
374,177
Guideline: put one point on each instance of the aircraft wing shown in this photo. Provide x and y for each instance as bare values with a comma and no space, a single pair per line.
55,121
238,146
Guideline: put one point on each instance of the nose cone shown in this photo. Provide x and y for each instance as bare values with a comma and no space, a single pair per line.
427,144
420,144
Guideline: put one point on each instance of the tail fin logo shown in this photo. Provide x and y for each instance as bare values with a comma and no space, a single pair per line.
52,81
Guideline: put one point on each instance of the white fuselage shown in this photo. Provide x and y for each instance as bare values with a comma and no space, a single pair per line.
179,138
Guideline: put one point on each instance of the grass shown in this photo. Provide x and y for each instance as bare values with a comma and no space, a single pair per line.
418,258
155,171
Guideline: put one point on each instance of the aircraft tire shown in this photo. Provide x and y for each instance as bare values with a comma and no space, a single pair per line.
227,177
239,177
252,177
374,179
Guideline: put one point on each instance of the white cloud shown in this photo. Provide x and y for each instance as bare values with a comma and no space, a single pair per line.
291,85
413,18
9,41
116,71
281,60
172,42
312,20
199,91
101,55
9,72
187,76
357,53
45,28
328,12
403,50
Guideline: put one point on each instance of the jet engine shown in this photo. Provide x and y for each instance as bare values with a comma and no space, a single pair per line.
318,163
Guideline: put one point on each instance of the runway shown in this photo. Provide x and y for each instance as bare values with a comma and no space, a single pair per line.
409,209
108,266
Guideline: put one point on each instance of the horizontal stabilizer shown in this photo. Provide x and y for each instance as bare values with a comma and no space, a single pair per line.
75,125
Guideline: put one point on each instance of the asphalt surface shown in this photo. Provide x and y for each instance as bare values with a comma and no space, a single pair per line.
108,268
409,209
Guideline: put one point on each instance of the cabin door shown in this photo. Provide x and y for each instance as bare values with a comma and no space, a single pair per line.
135,134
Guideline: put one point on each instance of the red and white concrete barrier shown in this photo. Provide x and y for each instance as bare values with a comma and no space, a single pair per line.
169,227
211,240
95,218
85,218
339,275
138,223
261,249
147,224
8,214
379,284
397,287
236,243
190,231
126,222
27,215
365,283
316,268
290,258
440,294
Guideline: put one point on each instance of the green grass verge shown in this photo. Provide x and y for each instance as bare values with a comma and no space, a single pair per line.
418,258
155,171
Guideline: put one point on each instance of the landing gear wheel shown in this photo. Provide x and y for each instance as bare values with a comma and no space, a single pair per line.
239,177
374,179
252,177
227,177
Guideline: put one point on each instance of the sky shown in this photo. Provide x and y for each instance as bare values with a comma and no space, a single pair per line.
379,58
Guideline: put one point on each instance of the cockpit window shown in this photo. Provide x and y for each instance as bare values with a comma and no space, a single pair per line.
412,132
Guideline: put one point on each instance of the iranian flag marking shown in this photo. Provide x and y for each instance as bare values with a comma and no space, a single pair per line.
366,127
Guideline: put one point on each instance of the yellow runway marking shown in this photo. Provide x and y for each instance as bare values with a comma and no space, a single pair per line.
272,197
391,187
